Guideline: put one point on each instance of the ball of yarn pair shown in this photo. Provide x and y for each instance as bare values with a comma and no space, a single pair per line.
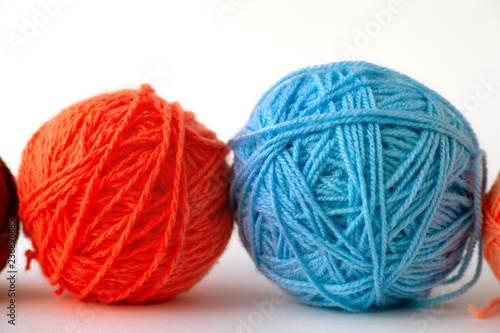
9,223
491,239
356,187
125,198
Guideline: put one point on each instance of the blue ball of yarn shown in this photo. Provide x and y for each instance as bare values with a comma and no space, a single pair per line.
356,187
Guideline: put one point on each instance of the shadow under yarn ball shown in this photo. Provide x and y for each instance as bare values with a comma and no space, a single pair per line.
125,198
356,187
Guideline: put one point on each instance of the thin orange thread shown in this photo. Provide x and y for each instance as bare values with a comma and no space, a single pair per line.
486,311
30,255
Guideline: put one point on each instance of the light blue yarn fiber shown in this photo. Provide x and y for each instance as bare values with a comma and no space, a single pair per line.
358,188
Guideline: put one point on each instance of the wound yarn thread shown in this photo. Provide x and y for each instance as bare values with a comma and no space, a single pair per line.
125,198
491,239
9,222
356,187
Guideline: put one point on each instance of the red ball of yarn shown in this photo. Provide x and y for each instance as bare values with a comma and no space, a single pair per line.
125,198
9,223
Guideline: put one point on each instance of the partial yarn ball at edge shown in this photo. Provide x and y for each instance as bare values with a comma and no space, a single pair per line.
9,221
491,239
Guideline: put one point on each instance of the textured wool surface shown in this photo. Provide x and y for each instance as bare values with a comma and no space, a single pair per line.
491,239
9,222
357,187
125,198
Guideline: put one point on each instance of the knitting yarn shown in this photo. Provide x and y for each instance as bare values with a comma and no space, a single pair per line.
491,239
125,198
9,222
358,188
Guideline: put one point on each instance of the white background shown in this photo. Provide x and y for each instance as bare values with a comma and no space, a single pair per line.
218,64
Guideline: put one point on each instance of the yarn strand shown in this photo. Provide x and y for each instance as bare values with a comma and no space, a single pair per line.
491,235
475,239
486,311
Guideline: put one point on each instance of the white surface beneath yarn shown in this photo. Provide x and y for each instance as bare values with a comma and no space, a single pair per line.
219,69
234,297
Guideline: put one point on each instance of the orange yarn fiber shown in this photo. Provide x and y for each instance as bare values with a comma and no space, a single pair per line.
125,198
9,223
491,239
